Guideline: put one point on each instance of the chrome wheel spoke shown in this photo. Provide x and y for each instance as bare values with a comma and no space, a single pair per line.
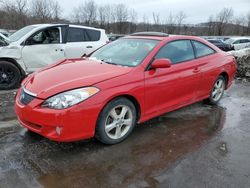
127,122
110,127
214,93
220,84
118,132
113,114
124,111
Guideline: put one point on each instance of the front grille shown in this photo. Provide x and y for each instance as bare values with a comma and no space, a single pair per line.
25,98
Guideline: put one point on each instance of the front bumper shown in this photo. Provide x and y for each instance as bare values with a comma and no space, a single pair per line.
75,123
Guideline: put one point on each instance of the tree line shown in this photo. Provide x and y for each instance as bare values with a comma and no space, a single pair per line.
118,18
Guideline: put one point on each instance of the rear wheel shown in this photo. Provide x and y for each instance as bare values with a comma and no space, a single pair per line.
217,91
116,121
10,75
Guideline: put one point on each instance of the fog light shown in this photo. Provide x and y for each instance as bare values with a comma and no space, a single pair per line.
58,130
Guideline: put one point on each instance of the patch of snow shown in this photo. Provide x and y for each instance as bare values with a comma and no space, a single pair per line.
240,53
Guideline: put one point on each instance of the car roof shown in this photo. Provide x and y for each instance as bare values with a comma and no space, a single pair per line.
50,25
238,38
169,37
213,39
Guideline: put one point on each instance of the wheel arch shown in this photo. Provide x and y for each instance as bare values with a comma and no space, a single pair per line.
130,98
13,61
226,76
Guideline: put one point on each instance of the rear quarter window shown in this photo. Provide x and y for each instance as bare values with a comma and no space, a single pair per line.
82,35
202,49
93,35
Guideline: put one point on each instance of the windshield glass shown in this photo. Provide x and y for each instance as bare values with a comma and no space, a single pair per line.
126,52
20,33
229,41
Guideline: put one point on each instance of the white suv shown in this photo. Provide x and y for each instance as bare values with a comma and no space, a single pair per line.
36,46
239,43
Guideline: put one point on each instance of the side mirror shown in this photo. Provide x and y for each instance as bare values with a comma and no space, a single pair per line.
161,63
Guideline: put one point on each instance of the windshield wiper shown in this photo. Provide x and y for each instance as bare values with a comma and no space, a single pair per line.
108,62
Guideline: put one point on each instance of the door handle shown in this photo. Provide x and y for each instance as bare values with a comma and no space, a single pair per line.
89,47
58,50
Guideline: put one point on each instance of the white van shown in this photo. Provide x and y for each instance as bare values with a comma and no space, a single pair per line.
36,46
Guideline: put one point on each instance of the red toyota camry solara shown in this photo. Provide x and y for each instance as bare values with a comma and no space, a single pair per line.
128,81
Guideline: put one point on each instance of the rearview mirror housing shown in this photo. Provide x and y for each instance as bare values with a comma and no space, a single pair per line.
161,63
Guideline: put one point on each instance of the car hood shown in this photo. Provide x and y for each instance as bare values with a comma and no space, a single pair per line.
71,74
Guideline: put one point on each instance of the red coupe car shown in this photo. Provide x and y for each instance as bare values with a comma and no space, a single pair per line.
128,81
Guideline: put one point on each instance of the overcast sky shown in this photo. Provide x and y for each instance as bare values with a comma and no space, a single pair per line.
197,11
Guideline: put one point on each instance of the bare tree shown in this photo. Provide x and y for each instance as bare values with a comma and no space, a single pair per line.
86,13
171,23
239,23
108,12
156,18
223,18
102,15
211,25
145,23
45,10
180,17
121,12
248,22
56,10
15,13
132,20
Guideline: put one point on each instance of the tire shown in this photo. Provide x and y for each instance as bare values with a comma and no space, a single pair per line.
10,76
113,127
217,91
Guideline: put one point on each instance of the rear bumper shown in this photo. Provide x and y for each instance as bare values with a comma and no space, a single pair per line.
75,123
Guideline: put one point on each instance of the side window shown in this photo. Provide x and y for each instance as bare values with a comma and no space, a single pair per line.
82,35
46,36
244,41
93,35
202,49
236,42
177,51
75,35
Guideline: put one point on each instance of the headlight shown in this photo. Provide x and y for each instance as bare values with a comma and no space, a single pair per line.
70,98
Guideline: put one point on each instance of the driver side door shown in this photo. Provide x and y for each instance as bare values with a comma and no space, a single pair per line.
42,48
167,89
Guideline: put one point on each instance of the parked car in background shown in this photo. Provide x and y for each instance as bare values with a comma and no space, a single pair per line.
36,46
113,37
4,32
239,42
3,40
127,81
222,45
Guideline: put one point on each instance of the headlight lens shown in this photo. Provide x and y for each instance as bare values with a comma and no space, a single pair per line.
70,98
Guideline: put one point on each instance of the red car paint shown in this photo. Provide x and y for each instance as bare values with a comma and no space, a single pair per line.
154,92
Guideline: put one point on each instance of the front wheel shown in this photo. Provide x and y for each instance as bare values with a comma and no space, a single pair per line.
10,75
217,91
116,121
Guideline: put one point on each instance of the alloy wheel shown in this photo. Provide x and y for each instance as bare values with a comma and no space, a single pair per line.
218,89
118,122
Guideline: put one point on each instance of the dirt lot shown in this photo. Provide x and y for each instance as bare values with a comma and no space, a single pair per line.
197,146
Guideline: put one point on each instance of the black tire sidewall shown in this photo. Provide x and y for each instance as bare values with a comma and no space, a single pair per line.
17,76
100,134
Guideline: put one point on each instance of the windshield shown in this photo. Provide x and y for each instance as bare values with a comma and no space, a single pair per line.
126,52
229,41
20,33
